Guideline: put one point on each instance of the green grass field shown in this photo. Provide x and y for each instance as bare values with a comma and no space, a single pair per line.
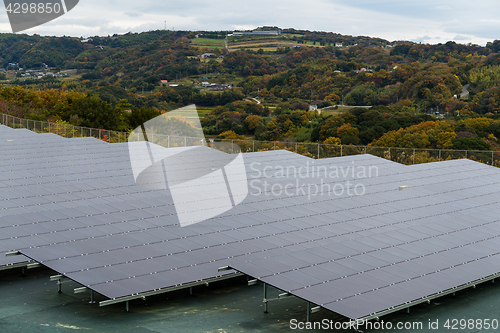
267,43
202,112
341,109
210,43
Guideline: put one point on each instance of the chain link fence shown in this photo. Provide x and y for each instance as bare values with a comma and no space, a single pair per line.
406,156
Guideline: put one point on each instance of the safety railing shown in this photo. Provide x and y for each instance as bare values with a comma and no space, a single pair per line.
406,156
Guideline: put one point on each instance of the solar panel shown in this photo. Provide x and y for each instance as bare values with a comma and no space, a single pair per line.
350,254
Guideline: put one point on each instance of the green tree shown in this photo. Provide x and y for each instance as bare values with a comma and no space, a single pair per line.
93,112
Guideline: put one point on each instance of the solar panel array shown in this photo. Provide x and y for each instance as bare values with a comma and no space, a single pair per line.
72,205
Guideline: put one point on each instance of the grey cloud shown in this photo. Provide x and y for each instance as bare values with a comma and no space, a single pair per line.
133,14
388,19
487,29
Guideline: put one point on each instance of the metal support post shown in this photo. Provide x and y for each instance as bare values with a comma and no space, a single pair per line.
190,290
92,297
308,312
265,298
318,151
126,306
59,286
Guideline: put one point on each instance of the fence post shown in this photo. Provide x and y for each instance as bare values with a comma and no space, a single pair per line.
492,158
466,154
109,136
341,150
49,127
185,141
413,155
168,141
390,159
318,151
232,146
274,145
253,146
365,149
440,155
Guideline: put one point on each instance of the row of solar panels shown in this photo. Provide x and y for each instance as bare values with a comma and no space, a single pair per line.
73,205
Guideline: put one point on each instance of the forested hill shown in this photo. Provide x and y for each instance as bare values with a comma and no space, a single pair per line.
162,70
298,64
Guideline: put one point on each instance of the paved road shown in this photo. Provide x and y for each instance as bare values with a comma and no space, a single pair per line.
465,91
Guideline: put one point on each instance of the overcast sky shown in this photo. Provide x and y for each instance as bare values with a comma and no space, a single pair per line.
427,21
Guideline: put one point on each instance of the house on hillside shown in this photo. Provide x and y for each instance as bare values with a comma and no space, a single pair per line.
163,82
218,86
339,44
360,70
257,33
207,55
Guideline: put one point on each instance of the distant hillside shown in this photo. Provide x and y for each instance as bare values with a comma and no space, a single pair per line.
168,69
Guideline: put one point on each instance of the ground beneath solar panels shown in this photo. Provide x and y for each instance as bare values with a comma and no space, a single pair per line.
31,303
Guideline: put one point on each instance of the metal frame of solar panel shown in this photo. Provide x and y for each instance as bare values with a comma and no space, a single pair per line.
72,205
